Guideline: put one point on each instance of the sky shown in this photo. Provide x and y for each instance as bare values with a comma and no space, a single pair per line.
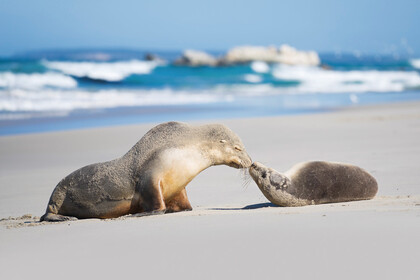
367,26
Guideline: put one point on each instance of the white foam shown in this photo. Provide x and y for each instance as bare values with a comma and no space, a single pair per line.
36,80
252,78
315,79
231,91
107,71
260,67
415,63
50,100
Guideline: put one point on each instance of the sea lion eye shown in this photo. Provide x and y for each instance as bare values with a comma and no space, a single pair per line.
238,148
222,141
264,174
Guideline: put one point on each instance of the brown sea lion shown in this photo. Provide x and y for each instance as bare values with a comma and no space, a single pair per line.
151,177
314,182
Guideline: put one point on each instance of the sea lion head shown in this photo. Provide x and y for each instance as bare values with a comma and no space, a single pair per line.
267,178
225,147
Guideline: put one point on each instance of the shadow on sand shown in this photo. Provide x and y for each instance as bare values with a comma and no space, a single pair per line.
248,207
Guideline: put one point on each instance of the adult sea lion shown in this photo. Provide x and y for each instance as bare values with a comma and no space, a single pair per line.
314,182
151,177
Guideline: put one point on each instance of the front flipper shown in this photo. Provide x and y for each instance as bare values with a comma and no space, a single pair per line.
151,199
50,217
179,203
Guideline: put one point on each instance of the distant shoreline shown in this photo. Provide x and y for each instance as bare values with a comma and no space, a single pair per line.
63,53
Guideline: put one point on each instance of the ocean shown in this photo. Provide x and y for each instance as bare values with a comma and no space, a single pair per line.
58,90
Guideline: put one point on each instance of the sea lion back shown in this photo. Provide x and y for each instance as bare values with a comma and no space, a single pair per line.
326,182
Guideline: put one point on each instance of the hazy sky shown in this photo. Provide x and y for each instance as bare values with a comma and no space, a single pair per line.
322,25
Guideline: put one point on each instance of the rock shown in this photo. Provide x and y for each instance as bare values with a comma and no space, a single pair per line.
285,54
196,58
289,55
245,54
153,57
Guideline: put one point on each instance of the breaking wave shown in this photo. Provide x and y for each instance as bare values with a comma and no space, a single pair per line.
260,67
415,63
316,79
35,80
106,71
20,100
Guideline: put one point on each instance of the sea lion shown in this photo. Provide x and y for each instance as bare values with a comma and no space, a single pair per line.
151,177
314,182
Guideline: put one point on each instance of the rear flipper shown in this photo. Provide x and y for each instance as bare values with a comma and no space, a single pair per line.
50,217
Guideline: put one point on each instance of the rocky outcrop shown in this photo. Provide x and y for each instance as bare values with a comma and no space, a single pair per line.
196,58
285,54
245,54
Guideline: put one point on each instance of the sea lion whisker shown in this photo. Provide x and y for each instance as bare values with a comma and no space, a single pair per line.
246,183
246,177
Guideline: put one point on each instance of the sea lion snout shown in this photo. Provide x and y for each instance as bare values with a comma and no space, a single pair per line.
256,166
257,170
241,161
238,157
246,161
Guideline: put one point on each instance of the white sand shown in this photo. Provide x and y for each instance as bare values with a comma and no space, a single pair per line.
376,239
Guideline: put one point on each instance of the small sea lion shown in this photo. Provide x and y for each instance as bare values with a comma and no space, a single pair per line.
151,177
314,182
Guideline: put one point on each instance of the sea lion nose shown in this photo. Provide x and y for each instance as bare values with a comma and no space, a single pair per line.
253,165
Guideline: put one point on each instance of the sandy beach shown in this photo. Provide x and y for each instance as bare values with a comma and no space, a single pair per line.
232,232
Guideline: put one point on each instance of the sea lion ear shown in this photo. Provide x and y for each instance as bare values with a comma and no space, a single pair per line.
222,141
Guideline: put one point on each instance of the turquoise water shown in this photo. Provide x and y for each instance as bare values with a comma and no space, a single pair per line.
48,91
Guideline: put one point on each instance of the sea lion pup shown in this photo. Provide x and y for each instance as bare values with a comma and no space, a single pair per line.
151,177
314,182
